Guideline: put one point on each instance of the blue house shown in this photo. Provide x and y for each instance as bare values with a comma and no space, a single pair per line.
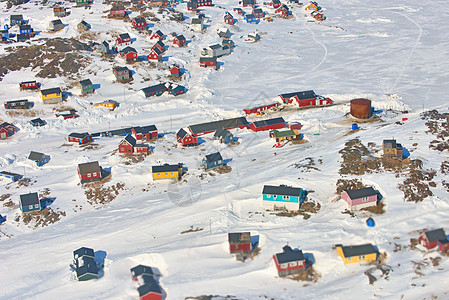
223,136
2,219
12,176
37,122
39,158
251,18
212,161
16,20
282,197
178,90
85,265
25,29
29,202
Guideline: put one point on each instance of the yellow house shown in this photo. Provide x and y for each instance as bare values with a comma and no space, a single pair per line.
167,171
110,104
358,253
51,96
313,6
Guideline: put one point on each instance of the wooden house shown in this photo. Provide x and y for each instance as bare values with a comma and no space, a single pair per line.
117,11
192,6
139,23
22,37
361,198
258,12
215,50
282,197
83,2
150,289
155,90
251,18
260,109
28,85
227,43
13,176
282,10
212,127
89,172
239,11
175,70
223,136
197,25
357,253
4,34
121,73
318,16
85,265
16,20
176,89
38,122
289,261
103,47
392,149
129,145
86,86
167,171
204,3
286,135
207,62
18,104
155,55
224,33
248,3
29,203
275,3
25,29
71,114
129,54
185,138
269,124
123,39
144,133
211,161
159,45
141,270
38,158
51,96
60,12
239,242
55,25
80,138
157,35
304,98
313,6
229,19
180,41
434,239
6,130
83,26
110,104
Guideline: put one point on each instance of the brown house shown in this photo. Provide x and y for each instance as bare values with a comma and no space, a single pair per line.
392,149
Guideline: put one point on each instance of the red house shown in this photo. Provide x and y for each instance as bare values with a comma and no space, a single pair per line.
297,126
80,138
139,271
160,45
229,19
6,130
264,125
305,98
259,109
206,62
185,138
192,5
282,10
28,85
117,11
434,239
149,289
175,71
180,41
275,3
123,39
129,145
289,262
157,35
89,172
70,115
248,3
155,55
239,11
201,3
239,242
258,13
147,133
139,23
129,53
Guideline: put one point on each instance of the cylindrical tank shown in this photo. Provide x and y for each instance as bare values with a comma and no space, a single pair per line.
361,108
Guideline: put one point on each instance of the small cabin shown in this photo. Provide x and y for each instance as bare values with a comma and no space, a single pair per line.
282,197
80,138
18,104
38,158
6,130
13,176
211,161
86,86
357,253
223,136
434,239
55,25
51,96
83,26
167,171
29,203
289,261
121,73
361,198
185,138
392,149
90,172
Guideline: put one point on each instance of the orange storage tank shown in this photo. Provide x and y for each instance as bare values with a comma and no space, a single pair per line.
361,108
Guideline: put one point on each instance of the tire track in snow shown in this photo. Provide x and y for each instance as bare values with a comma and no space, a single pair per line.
318,42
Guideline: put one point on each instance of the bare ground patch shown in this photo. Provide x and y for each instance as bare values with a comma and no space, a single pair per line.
98,195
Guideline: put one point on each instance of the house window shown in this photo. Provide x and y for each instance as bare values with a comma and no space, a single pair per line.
365,199
122,149
171,173
293,264
36,205
349,258
284,266
274,197
166,174
362,257
30,206
88,175
286,197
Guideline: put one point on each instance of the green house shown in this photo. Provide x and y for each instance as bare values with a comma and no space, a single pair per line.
83,2
86,86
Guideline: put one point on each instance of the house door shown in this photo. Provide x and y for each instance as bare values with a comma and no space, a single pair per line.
3,135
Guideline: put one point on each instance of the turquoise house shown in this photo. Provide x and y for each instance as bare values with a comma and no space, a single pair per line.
282,197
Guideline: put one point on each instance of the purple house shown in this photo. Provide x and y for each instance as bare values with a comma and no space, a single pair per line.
361,198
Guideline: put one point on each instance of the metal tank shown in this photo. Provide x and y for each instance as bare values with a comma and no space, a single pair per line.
361,108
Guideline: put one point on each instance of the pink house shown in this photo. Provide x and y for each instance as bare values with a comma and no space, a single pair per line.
358,199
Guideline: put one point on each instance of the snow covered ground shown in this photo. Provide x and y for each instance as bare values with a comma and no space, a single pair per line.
393,53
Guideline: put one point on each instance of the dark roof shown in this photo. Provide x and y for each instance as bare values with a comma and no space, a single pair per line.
258,10
118,7
157,50
246,2
206,59
9,173
222,133
25,82
275,1
141,270
130,139
281,190
250,16
350,251
106,44
35,156
83,251
289,255
150,286
269,122
84,23
213,157
160,43
85,82
196,21
56,22
365,192
145,129
37,121
17,101
88,266
222,124
128,49
139,20
90,167
155,88
16,17
124,36
23,36
79,135
181,133
120,69
435,235
215,46
29,199
301,95
51,91
181,37
239,237
159,33
25,27
165,168
391,144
